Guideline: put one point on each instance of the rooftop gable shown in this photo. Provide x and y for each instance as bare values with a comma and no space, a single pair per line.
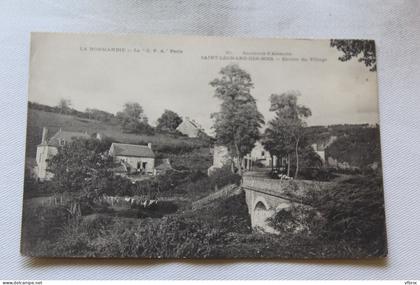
133,150
66,136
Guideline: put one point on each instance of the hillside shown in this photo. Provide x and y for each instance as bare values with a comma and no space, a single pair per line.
38,119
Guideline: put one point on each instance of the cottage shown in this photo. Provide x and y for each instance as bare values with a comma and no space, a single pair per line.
48,148
258,156
320,148
134,159
189,128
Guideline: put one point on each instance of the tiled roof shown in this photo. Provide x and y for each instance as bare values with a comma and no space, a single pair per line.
132,150
66,136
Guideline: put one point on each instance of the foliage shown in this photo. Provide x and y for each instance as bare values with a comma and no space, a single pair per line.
169,121
237,123
176,148
285,132
358,147
230,214
42,223
198,185
351,211
222,176
196,160
53,120
133,119
222,229
298,219
316,174
64,105
179,236
364,49
99,115
82,167
354,209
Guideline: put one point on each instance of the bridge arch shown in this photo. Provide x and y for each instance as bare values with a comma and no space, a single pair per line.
260,213
265,197
261,204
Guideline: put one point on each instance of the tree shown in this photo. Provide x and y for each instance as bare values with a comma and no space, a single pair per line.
169,121
99,115
238,122
285,132
64,105
364,49
133,119
81,168
277,141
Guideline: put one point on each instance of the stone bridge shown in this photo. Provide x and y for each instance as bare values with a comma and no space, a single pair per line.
265,197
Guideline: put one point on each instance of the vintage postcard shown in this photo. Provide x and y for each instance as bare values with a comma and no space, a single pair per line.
202,147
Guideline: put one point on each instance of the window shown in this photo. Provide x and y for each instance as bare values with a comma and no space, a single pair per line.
62,142
262,153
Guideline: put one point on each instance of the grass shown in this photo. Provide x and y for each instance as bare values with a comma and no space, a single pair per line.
218,230
38,119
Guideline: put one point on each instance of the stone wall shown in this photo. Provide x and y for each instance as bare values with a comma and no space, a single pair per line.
265,197
227,191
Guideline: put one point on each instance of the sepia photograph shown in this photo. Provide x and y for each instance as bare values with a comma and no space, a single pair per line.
202,147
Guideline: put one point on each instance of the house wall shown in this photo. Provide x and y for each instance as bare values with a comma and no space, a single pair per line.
260,154
220,156
43,153
133,161
188,129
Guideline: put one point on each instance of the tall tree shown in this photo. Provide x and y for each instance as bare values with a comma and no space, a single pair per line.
238,122
362,49
78,163
133,119
277,141
284,133
64,105
169,121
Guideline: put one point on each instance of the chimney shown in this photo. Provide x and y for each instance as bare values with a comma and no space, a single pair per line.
149,145
44,135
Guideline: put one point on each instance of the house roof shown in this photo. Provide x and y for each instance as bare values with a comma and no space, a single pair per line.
122,149
190,123
66,136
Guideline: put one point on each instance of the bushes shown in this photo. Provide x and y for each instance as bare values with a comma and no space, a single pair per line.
224,176
351,212
197,184
317,174
42,223
298,219
354,210
359,147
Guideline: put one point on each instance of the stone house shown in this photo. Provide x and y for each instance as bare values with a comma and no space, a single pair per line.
258,156
320,148
134,159
48,148
189,128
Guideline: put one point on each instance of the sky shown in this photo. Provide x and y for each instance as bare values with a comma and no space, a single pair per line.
167,72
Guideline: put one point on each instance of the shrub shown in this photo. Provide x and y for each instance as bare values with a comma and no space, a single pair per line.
42,223
317,174
298,219
354,209
224,176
